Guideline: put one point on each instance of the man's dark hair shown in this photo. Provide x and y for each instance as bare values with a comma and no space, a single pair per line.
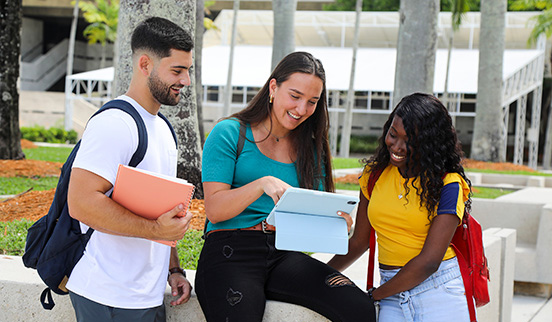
158,36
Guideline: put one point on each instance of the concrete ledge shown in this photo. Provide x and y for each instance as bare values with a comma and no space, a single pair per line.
20,290
508,181
529,212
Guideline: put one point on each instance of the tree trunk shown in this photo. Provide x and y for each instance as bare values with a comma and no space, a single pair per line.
102,59
348,118
445,100
547,158
10,48
198,47
490,133
227,108
416,48
284,32
68,117
183,116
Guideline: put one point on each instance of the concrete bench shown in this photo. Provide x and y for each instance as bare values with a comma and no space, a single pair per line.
508,180
20,290
532,219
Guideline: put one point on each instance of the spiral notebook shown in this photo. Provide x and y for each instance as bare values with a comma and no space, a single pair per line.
149,194
306,220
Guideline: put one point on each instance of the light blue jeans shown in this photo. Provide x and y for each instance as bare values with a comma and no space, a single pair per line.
439,298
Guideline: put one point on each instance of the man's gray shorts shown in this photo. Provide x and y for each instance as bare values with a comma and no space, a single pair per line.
87,310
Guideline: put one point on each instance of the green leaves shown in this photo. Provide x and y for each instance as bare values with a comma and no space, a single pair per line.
52,135
103,16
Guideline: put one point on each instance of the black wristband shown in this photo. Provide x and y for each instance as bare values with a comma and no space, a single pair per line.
369,293
177,270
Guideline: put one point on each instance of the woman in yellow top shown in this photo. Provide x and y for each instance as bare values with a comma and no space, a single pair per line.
415,207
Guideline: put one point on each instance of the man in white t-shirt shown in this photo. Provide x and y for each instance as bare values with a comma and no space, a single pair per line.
122,275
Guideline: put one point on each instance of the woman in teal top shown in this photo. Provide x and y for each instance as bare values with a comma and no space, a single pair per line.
285,145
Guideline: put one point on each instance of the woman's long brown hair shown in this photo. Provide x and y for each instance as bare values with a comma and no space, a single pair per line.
313,163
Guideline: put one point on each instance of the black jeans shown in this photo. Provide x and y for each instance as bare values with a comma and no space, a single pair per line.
239,270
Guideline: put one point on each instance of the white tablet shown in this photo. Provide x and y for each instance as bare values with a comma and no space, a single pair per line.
313,202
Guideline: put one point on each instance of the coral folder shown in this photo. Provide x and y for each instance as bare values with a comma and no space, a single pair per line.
150,194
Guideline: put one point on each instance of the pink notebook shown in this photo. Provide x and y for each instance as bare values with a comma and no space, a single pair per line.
150,194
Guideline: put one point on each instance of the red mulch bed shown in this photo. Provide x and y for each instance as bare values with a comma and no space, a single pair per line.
468,163
35,204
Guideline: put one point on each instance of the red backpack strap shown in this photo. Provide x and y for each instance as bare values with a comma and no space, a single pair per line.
374,176
465,271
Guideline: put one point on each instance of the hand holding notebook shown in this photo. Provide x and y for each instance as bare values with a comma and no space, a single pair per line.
149,194
307,220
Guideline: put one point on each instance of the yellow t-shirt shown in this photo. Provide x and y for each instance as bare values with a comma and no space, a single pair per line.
401,224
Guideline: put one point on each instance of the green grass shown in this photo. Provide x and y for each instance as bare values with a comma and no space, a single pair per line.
478,192
43,153
13,237
189,249
489,193
346,186
518,172
15,185
346,163
14,234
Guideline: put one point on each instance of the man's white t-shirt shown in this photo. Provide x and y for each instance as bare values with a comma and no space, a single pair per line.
117,271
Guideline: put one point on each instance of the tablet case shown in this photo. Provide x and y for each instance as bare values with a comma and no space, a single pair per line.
307,220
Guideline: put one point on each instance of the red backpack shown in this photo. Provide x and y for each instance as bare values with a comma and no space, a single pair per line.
468,246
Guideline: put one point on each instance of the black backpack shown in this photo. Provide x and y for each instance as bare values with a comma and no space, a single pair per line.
55,242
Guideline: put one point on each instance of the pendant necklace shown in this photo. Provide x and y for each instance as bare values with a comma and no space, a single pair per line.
401,194
274,135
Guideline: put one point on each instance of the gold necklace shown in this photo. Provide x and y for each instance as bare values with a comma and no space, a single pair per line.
274,135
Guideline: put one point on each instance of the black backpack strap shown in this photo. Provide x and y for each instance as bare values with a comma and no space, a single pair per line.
239,148
125,106
170,128
46,299
241,140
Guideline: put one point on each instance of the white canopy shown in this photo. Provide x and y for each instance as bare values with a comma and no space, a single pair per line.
375,70
104,74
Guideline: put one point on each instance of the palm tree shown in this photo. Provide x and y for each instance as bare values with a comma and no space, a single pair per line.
10,48
458,9
183,116
348,118
283,41
416,48
70,57
102,16
543,26
198,41
227,108
489,132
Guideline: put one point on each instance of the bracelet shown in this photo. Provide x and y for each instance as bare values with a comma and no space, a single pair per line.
369,293
177,270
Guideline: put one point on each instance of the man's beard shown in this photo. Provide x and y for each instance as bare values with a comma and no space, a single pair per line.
161,91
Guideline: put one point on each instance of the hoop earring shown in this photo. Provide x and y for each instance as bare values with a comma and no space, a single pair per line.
271,99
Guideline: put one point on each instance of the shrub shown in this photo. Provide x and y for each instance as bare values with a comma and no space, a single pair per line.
52,135
362,144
